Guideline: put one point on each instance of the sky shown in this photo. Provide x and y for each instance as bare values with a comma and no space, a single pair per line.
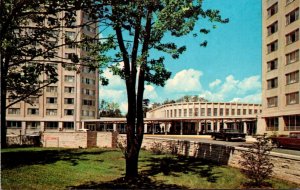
227,70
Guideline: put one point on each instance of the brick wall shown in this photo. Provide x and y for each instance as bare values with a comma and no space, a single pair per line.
77,139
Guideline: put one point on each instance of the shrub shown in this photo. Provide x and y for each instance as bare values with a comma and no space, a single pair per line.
157,148
256,163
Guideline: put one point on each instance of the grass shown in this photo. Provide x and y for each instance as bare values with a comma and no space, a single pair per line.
43,168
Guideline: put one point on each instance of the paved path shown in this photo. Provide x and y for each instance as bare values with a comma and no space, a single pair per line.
199,138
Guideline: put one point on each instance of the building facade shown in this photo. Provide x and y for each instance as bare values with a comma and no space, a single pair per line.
203,117
280,66
72,98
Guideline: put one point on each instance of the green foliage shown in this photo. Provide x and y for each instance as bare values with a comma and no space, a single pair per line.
256,162
109,109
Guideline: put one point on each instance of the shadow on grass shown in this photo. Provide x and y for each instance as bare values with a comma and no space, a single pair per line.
10,160
143,182
175,166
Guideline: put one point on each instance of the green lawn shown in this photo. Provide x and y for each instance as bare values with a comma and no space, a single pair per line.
41,168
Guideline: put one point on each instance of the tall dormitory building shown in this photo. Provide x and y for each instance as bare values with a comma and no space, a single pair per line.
280,66
64,104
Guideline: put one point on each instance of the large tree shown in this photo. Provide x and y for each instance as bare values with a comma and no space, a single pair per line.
30,36
139,29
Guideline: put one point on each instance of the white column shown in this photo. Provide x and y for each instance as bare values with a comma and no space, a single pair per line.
145,128
181,128
60,125
245,127
42,126
218,125
114,127
23,127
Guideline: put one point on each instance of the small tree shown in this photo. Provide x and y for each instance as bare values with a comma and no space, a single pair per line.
256,163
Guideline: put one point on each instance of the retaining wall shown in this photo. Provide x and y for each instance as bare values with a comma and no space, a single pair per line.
286,166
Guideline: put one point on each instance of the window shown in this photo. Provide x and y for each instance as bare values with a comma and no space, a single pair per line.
51,112
70,90
232,111
292,123
32,100
202,111
272,124
89,102
221,111
292,78
70,56
14,111
14,124
175,113
272,46
68,125
51,100
292,57
250,111
289,1
215,111
69,112
69,39
244,111
196,112
272,28
272,65
272,102
69,101
239,112
51,89
190,112
272,83
33,124
171,113
51,125
292,37
292,98
272,10
208,111
227,111
292,16
69,78
179,113
33,111
184,112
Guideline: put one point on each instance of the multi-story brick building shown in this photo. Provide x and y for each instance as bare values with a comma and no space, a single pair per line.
64,104
280,66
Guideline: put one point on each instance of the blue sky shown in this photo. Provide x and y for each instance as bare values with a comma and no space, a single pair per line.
228,69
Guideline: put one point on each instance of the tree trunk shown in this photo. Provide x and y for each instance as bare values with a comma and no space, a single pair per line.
3,105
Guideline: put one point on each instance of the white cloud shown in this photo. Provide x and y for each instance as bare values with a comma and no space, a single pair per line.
214,83
150,92
247,90
185,81
115,81
252,98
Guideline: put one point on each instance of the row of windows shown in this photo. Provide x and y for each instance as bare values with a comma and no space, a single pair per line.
291,78
54,89
209,112
290,17
291,123
291,99
290,58
35,111
37,124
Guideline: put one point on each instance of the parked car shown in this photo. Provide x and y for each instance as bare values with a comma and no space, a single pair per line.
292,141
228,135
